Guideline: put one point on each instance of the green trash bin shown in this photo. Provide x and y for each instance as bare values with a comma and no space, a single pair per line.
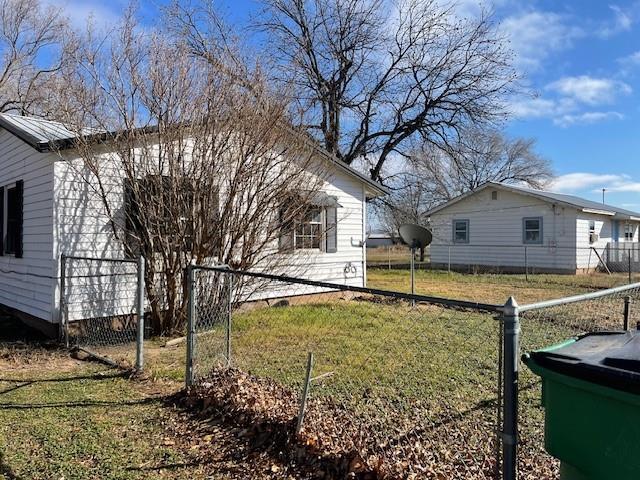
591,397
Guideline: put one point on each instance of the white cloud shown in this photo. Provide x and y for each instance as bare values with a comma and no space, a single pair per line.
590,90
582,181
586,118
623,20
535,35
79,12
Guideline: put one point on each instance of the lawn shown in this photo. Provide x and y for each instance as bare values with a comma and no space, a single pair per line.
491,288
425,374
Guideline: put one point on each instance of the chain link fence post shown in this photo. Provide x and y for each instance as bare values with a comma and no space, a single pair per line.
64,327
229,318
191,325
511,319
140,314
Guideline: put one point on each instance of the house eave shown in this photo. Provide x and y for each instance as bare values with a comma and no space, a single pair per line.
599,212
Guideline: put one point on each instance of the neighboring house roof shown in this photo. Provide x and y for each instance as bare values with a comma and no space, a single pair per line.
582,204
46,135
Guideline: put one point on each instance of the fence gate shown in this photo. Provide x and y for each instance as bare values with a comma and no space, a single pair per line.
102,308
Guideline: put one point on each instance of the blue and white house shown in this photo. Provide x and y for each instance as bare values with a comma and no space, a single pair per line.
503,227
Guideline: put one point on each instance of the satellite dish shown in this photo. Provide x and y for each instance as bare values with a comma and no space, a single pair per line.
415,236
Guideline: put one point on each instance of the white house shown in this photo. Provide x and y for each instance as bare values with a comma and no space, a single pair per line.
505,227
44,212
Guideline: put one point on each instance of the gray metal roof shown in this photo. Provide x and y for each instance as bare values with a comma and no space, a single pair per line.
44,135
37,131
571,200
579,202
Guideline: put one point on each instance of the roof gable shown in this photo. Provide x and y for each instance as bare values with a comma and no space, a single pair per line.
550,197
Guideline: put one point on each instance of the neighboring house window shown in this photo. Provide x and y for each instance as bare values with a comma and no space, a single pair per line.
494,195
532,230
629,232
461,231
592,231
11,202
312,226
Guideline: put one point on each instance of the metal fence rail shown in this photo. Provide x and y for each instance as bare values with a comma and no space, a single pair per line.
102,307
540,325
412,390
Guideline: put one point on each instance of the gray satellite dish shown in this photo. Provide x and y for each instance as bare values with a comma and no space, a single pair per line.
416,237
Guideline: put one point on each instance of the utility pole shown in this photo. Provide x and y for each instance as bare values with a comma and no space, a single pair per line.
603,190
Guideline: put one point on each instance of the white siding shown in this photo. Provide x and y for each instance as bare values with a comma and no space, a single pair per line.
26,284
496,232
586,257
83,229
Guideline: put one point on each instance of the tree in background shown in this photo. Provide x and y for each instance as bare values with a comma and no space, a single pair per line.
35,46
186,162
430,176
372,77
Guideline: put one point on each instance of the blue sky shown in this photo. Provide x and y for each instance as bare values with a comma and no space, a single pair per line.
580,64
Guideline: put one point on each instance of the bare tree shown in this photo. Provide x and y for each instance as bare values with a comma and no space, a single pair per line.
186,163
429,176
372,76
477,158
34,46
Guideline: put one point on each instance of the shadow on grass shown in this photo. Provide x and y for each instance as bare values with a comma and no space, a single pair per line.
6,471
81,404
22,382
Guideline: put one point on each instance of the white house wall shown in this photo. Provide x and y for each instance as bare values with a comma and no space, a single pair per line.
26,283
83,229
496,233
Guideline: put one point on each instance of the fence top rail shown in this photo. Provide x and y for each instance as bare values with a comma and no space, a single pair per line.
578,298
97,259
488,307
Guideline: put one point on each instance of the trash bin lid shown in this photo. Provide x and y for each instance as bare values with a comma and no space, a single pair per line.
611,359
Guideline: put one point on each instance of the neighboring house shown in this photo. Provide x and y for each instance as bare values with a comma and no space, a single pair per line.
500,227
379,238
45,211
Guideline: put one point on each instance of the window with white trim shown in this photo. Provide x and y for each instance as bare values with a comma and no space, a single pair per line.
532,230
461,231
629,232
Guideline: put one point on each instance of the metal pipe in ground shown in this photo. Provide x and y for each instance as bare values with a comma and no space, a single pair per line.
140,315
305,393
627,310
511,319
413,274
191,330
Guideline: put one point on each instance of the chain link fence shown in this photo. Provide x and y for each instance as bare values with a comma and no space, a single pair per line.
365,380
101,308
549,323
619,260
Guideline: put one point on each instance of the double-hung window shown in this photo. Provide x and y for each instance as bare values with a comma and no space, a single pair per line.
11,219
629,232
461,231
532,231
309,224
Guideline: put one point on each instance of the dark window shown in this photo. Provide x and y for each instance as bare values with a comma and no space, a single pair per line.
461,231
532,230
161,208
14,219
494,195
304,226
629,231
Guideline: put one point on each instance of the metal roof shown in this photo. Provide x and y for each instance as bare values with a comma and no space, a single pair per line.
46,135
571,200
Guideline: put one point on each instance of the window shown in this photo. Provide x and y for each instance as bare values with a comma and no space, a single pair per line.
11,218
494,195
592,231
309,226
629,232
159,209
532,230
308,229
461,231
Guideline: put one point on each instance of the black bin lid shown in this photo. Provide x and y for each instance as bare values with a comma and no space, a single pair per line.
611,359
